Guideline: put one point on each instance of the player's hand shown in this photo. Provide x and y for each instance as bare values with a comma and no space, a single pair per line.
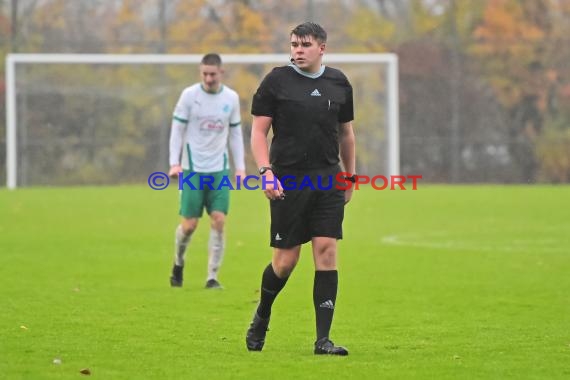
272,187
174,171
240,174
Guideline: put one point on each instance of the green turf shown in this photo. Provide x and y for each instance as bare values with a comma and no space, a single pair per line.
442,283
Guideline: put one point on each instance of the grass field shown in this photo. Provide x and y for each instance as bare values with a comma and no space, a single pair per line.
446,282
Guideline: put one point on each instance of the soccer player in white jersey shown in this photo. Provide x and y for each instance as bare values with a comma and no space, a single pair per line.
205,121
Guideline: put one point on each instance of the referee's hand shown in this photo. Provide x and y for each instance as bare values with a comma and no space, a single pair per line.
348,194
272,187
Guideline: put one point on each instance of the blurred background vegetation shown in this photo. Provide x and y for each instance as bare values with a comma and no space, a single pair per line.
484,84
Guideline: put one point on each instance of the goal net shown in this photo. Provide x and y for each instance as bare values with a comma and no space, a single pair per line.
81,119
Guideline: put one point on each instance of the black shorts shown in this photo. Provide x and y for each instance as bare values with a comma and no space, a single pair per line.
312,207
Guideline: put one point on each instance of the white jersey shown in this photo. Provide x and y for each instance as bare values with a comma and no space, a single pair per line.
206,120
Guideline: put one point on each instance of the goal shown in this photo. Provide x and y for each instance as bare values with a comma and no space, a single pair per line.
88,119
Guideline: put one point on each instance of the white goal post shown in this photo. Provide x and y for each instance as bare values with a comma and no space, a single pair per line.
388,59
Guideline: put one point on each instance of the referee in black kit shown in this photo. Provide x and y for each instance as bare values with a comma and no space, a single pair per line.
310,108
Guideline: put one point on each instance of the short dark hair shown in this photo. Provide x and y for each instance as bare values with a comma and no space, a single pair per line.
310,29
211,59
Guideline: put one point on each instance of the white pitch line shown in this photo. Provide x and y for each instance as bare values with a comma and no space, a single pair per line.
519,246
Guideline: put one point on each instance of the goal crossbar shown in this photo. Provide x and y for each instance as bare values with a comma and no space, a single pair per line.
389,59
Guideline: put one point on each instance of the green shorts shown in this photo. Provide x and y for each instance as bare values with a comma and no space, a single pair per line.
205,193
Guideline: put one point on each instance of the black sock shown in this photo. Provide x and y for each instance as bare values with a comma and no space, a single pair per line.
271,285
324,298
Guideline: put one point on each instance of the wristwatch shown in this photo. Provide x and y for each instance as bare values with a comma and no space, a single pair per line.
352,178
263,169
